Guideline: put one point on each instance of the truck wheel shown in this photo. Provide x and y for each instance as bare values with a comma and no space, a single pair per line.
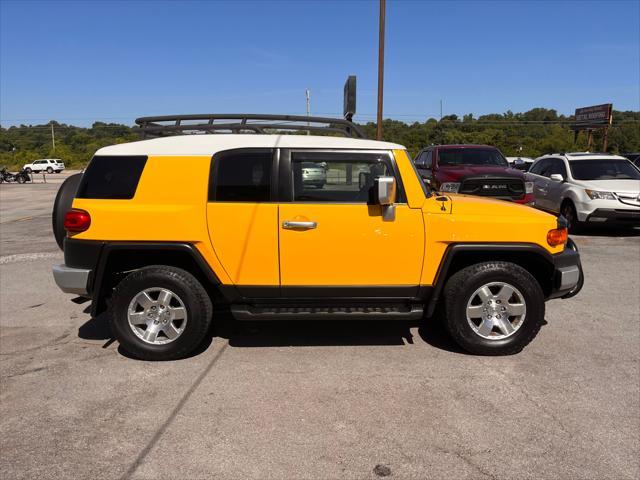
49,170
28,170
160,313
568,211
493,308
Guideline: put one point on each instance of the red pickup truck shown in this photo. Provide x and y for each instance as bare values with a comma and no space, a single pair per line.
474,170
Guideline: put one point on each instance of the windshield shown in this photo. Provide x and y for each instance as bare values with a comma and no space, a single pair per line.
471,156
604,169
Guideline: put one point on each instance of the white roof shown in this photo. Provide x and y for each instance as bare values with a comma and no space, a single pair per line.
585,156
212,143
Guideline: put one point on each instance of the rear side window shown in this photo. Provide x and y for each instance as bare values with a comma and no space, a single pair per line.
241,176
110,177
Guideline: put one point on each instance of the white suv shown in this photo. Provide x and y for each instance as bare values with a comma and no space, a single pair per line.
49,165
593,188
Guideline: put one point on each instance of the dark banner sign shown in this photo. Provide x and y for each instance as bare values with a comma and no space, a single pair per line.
593,117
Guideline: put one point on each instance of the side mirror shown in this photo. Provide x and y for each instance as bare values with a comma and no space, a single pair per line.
385,188
556,177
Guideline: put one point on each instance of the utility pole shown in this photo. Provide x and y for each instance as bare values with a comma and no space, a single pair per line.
53,138
308,95
380,68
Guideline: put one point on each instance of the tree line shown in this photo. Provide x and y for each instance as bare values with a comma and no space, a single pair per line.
529,134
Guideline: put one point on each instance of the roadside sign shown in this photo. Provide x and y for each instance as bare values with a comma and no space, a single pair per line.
593,118
596,116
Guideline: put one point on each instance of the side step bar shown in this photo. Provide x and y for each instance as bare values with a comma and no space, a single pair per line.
395,312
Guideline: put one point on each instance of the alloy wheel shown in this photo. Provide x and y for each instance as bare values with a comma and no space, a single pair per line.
157,316
496,310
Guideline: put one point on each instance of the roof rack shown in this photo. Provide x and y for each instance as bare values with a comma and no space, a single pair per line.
167,125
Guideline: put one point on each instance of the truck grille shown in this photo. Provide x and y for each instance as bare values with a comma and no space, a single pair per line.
512,188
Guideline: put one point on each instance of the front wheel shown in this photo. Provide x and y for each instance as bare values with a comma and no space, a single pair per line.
160,313
28,170
49,170
568,211
20,179
493,308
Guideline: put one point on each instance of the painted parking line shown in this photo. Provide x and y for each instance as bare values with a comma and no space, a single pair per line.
27,257
24,219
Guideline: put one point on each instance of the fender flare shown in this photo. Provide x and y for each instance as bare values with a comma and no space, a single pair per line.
456,248
97,278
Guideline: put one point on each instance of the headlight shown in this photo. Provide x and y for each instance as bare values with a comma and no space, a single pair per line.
449,187
528,187
595,195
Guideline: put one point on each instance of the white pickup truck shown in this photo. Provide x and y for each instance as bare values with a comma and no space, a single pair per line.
49,165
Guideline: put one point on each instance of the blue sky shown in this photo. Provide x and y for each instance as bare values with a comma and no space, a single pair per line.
80,61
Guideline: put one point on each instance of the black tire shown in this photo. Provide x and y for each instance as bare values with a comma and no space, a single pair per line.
28,170
462,285
49,170
20,179
568,211
62,204
196,301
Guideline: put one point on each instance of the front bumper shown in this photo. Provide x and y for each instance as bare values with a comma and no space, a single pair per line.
72,280
618,216
528,199
568,276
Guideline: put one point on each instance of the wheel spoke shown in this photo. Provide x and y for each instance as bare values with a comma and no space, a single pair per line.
475,311
505,293
145,300
504,325
170,331
516,309
179,313
151,333
165,297
485,294
138,318
485,327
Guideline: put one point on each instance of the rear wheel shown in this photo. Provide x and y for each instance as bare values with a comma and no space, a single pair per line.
160,313
49,170
493,308
568,211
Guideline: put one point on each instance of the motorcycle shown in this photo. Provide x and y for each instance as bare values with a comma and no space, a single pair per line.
21,177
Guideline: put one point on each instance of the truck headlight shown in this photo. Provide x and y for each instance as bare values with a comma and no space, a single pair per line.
528,187
450,187
596,195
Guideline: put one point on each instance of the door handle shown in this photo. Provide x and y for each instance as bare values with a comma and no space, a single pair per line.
298,225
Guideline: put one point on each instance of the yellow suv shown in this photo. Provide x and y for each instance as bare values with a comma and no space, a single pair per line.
161,230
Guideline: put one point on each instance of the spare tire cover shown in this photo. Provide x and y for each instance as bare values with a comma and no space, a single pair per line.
62,204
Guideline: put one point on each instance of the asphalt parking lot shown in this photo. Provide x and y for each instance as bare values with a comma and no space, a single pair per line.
314,400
